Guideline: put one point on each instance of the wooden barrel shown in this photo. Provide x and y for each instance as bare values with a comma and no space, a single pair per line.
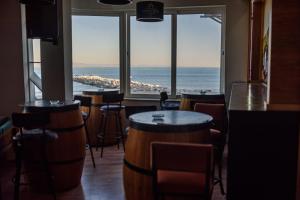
65,155
188,101
137,170
94,121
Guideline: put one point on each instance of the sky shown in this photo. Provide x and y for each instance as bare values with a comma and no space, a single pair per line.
95,41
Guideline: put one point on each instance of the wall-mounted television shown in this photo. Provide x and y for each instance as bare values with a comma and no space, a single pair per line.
42,19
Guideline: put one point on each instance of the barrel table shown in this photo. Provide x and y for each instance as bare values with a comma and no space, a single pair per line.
147,127
66,154
188,101
94,121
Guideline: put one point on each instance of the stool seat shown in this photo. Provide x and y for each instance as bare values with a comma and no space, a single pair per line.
170,105
35,134
112,107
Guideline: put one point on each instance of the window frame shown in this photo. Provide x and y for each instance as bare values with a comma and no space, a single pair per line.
124,46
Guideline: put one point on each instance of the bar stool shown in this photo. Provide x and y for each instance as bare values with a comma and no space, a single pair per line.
113,107
165,104
86,101
218,134
32,127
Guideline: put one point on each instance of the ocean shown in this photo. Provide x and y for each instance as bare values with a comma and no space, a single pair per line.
189,79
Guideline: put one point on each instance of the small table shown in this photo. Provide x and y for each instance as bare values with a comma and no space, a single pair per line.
66,154
173,126
188,101
93,122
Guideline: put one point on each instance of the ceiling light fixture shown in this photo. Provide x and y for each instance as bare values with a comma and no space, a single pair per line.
149,11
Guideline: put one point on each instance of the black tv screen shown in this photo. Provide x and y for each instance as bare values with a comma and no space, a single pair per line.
42,22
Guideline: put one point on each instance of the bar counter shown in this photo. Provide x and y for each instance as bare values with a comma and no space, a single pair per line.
262,147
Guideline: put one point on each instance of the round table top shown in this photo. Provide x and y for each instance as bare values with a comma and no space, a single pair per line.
100,91
51,105
170,121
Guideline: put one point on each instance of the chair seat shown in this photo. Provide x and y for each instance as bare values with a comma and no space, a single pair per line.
112,107
174,182
170,105
36,134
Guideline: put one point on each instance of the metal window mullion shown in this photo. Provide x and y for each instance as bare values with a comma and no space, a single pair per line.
173,54
122,50
128,80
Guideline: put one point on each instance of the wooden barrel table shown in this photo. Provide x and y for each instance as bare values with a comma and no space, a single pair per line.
94,121
174,126
66,154
188,101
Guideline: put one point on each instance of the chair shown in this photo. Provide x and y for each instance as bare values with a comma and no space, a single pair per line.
182,169
112,106
86,102
218,133
168,105
32,127
207,98
130,110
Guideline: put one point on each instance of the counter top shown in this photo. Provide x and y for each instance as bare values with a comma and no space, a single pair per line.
248,97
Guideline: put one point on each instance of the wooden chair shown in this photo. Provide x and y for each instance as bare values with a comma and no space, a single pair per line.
218,133
112,106
86,102
32,127
182,169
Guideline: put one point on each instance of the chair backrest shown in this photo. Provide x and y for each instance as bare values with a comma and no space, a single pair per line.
208,98
113,97
217,111
130,110
163,96
186,157
30,120
85,101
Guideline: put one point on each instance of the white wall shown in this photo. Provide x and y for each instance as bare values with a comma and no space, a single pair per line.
237,29
11,58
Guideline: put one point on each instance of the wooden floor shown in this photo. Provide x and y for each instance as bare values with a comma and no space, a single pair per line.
102,183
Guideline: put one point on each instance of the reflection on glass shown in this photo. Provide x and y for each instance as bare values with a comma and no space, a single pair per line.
38,93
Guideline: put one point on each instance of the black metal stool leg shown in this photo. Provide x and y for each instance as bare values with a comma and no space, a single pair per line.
100,130
47,170
121,131
117,130
104,133
89,143
221,177
18,171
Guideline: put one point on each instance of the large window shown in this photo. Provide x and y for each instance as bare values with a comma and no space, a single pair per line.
198,53
150,56
182,54
96,57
